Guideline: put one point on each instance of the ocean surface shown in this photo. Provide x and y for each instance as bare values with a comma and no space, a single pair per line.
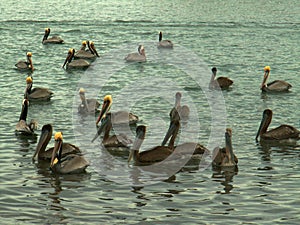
238,37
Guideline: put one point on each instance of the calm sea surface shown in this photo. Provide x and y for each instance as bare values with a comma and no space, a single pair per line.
238,37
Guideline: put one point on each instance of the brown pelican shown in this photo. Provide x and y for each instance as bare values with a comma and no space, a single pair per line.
52,40
224,157
70,164
25,65
89,105
274,86
119,117
164,43
77,63
86,54
279,134
220,82
140,56
114,140
184,110
22,127
42,154
38,93
156,154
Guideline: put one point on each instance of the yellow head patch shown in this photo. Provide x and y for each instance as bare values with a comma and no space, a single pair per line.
81,91
92,43
55,161
267,68
58,136
107,98
28,80
29,54
83,43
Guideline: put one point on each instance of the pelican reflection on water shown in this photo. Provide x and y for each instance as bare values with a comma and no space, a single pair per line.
42,154
25,65
72,63
72,163
274,86
22,126
219,83
139,56
283,133
37,93
52,40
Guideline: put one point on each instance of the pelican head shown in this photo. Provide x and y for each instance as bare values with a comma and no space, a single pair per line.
107,102
71,53
83,43
28,80
214,71
141,50
265,122
267,70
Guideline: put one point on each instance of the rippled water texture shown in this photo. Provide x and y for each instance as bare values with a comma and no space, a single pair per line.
237,37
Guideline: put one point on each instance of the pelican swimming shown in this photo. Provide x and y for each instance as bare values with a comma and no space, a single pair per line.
38,93
22,127
119,117
86,54
52,40
224,157
164,43
42,154
274,86
26,65
184,110
153,155
70,164
279,134
220,82
87,106
77,63
140,56
113,141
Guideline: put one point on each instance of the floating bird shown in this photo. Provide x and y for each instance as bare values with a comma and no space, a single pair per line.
221,82
164,43
156,154
113,141
184,110
52,40
224,157
70,164
42,154
38,93
77,63
274,86
26,65
119,117
22,127
140,56
91,53
89,105
280,134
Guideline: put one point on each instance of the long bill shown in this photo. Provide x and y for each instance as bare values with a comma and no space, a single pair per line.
171,133
103,124
104,110
261,126
55,156
45,137
229,149
140,136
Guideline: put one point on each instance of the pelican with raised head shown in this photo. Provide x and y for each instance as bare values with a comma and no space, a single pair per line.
52,40
119,117
75,64
153,155
114,141
22,127
164,43
219,83
25,65
87,105
184,110
283,133
274,86
42,154
139,56
37,93
70,164
224,157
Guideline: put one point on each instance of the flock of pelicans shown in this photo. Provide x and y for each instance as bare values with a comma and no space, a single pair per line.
67,158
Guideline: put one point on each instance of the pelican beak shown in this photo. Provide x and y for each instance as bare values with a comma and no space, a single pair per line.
104,110
69,57
44,139
171,131
94,50
103,124
229,151
266,75
262,124
57,147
